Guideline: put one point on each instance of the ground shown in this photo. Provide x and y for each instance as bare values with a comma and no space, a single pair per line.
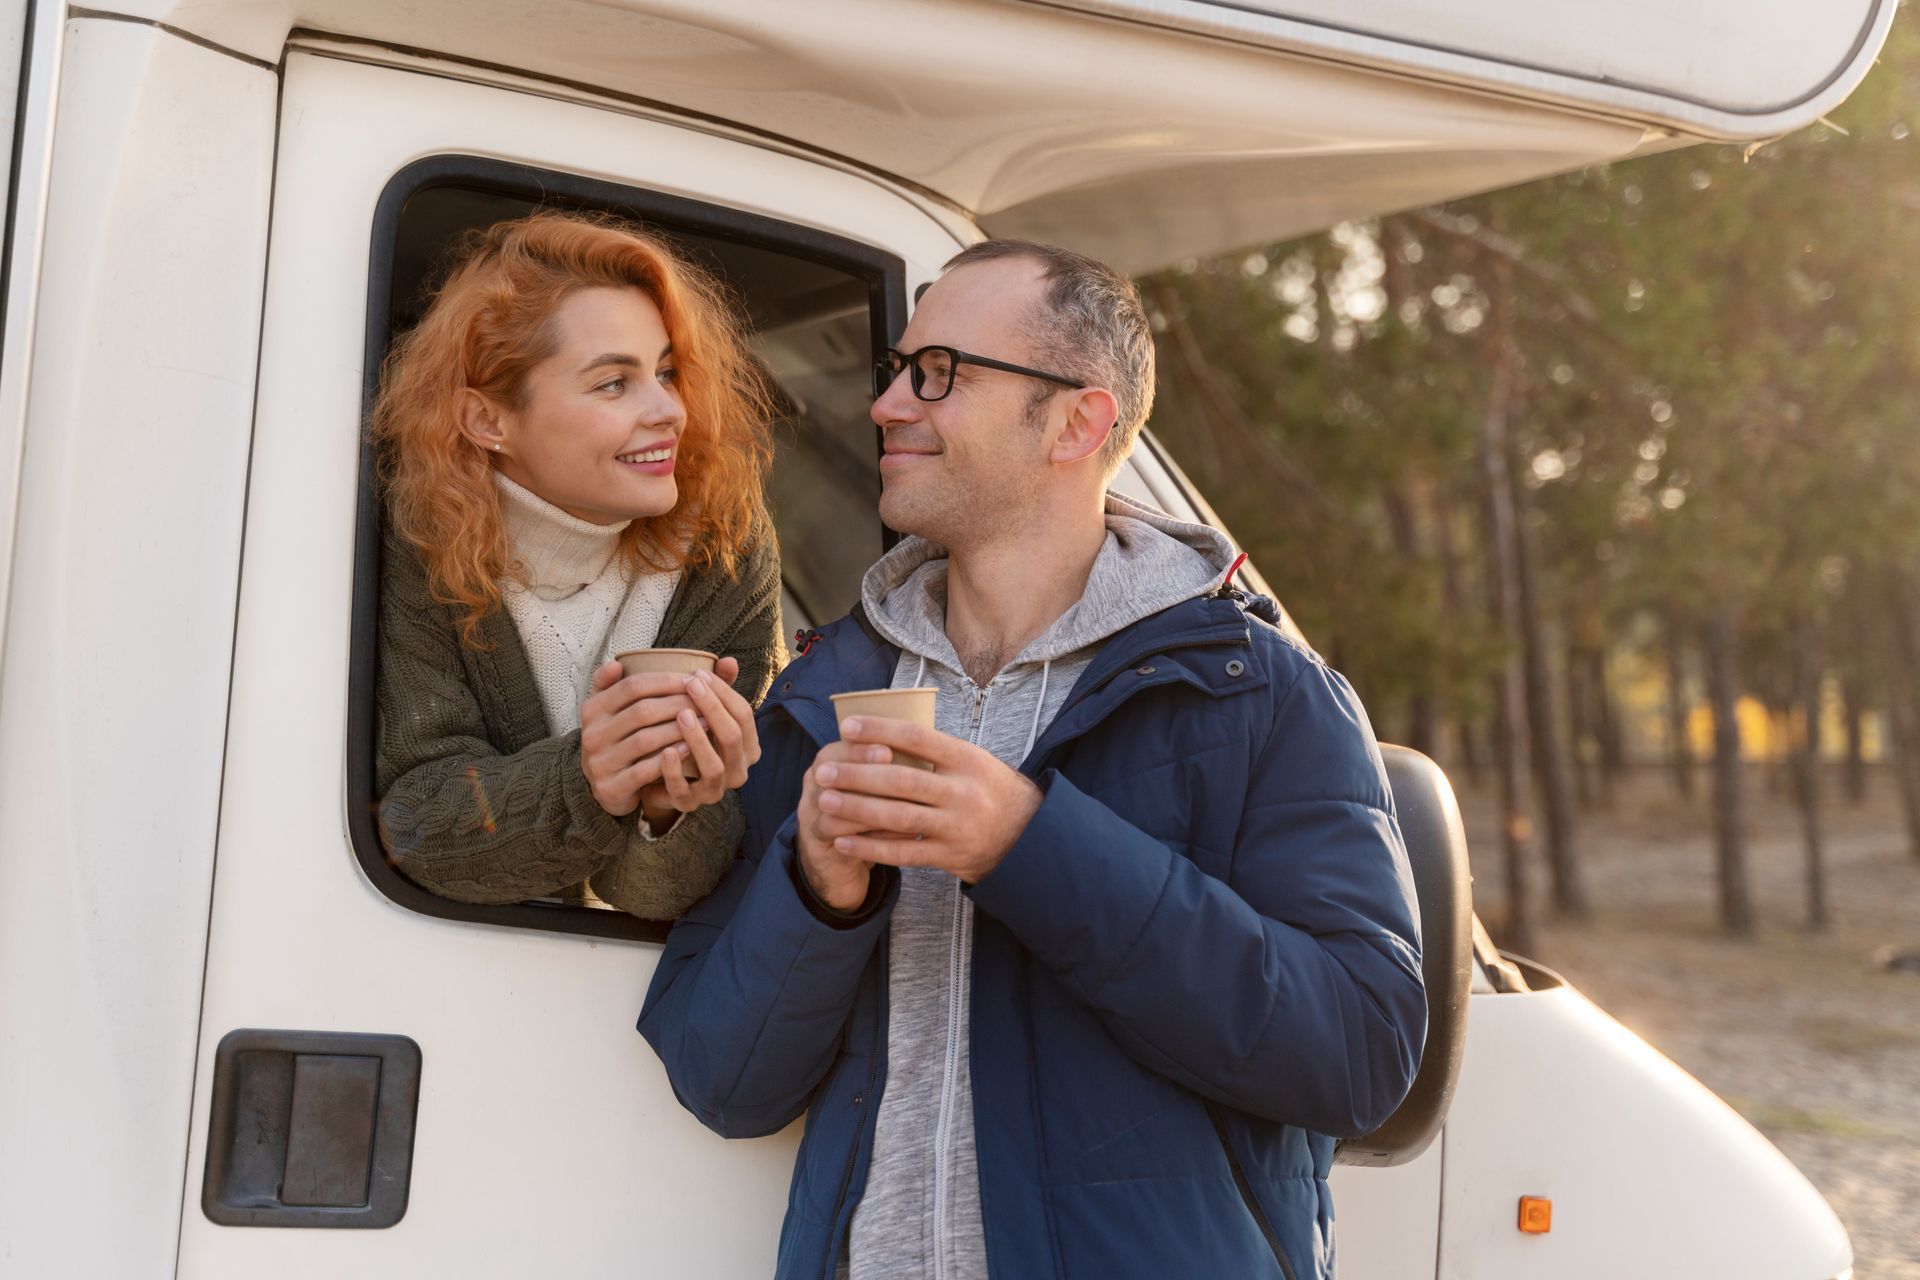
1816,1043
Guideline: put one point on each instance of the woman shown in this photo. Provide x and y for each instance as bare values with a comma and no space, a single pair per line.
573,442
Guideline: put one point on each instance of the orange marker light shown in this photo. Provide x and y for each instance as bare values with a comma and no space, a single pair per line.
1536,1215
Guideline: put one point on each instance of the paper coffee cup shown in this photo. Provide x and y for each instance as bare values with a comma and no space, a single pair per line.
913,705
676,662
679,662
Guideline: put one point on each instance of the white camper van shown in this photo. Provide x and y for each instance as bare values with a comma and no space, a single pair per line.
234,1042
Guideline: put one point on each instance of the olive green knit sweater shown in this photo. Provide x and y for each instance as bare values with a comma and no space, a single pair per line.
478,802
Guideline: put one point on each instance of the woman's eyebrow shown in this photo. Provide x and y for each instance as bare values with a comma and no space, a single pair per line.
615,359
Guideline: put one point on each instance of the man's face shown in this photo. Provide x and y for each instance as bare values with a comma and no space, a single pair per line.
963,468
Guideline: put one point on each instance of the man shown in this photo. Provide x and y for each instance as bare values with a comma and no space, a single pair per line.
1096,994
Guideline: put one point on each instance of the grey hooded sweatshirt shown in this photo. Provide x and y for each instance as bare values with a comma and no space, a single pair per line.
920,1214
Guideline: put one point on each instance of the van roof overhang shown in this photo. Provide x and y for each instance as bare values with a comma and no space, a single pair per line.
1146,132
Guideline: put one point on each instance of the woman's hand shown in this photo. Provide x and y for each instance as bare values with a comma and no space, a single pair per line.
718,734
623,728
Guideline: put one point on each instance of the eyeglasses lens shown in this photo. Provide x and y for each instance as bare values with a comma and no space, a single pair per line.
934,373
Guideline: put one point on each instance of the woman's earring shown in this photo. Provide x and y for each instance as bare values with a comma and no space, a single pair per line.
496,448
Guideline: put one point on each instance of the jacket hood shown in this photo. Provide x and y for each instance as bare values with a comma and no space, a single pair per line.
1149,562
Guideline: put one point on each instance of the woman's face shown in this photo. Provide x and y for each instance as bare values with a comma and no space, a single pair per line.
599,428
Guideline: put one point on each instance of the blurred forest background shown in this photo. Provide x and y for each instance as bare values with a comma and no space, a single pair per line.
1603,476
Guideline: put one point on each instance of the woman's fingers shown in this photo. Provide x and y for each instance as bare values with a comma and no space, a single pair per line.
611,757
713,770
639,775
601,715
742,712
617,788
724,728
641,731
646,713
637,729
673,776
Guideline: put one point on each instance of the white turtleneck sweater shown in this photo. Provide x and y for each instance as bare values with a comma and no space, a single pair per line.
574,599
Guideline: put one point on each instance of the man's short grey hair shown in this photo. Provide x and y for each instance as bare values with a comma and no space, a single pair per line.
1090,326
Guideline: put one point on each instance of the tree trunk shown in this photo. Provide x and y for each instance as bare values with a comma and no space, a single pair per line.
1580,734
1405,530
1613,747
1854,712
1510,748
1720,646
1905,737
1773,772
1903,699
1549,746
1455,597
1469,740
1679,743
1807,671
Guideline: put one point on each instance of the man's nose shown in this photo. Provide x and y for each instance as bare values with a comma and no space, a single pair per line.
897,404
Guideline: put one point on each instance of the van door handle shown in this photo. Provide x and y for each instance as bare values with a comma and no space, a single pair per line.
311,1129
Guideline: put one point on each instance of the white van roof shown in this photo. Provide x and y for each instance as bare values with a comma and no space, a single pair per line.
1145,131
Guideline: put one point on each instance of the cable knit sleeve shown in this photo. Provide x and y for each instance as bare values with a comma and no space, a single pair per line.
457,815
743,619
660,878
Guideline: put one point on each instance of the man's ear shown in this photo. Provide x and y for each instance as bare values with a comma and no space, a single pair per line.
1091,414
480,421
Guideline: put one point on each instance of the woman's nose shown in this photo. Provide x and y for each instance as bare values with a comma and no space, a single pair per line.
660,408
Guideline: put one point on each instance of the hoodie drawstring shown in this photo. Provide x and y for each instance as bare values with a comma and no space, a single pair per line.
920,676
1033,731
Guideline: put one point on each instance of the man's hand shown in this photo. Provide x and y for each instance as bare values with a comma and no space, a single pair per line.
962,817
839,879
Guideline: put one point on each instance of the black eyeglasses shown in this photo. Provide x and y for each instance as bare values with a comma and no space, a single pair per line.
932,369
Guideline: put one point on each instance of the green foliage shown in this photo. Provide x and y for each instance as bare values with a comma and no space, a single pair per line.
1720,371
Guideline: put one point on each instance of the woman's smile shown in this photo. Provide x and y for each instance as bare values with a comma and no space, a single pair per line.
657,461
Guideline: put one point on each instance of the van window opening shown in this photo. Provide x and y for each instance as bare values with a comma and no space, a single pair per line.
817,306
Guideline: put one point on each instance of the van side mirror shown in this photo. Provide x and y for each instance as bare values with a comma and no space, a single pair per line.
1437,849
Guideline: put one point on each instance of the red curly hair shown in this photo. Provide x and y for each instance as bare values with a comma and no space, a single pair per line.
488,327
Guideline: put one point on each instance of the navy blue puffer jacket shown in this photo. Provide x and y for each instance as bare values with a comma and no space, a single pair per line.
1197,968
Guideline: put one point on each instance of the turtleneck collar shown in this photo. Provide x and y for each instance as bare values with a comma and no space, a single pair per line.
557,554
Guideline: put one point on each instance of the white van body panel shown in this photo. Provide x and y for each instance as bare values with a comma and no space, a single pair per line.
1388,1220
1774,65
1710,68
131,501
1144,133
1650,1174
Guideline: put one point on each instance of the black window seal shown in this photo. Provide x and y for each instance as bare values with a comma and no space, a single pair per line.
887,307
17,146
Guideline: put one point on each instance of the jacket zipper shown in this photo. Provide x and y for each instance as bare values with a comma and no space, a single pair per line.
943,1124
943,1128
1246,1195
